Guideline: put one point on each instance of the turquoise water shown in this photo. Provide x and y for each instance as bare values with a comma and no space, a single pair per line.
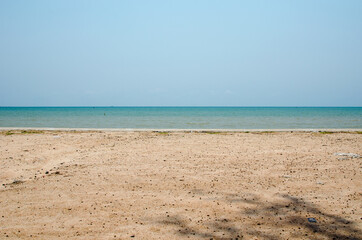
182,117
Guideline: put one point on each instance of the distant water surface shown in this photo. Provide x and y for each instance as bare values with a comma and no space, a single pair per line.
183,117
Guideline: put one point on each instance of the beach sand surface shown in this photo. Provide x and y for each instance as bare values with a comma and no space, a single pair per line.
180,185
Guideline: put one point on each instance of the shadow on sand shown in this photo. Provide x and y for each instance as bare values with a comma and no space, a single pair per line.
286,217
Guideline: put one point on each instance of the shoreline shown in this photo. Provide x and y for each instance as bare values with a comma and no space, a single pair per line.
334,130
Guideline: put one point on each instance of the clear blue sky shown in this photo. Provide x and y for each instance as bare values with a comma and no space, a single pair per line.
181,53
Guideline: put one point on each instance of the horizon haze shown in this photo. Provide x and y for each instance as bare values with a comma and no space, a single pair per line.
181,53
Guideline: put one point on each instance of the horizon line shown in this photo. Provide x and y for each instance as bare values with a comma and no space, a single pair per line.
155,106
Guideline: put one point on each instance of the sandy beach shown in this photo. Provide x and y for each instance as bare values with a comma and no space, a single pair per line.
180,185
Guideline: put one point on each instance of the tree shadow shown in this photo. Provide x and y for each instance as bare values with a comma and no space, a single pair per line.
215,229
283,217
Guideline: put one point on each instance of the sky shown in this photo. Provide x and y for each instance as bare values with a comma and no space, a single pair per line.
181,53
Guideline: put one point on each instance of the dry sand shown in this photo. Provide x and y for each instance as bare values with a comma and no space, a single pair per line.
149,185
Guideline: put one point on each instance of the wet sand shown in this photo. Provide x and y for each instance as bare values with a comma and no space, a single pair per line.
179,185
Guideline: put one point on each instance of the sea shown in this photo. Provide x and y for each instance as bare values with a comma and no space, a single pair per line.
183,117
